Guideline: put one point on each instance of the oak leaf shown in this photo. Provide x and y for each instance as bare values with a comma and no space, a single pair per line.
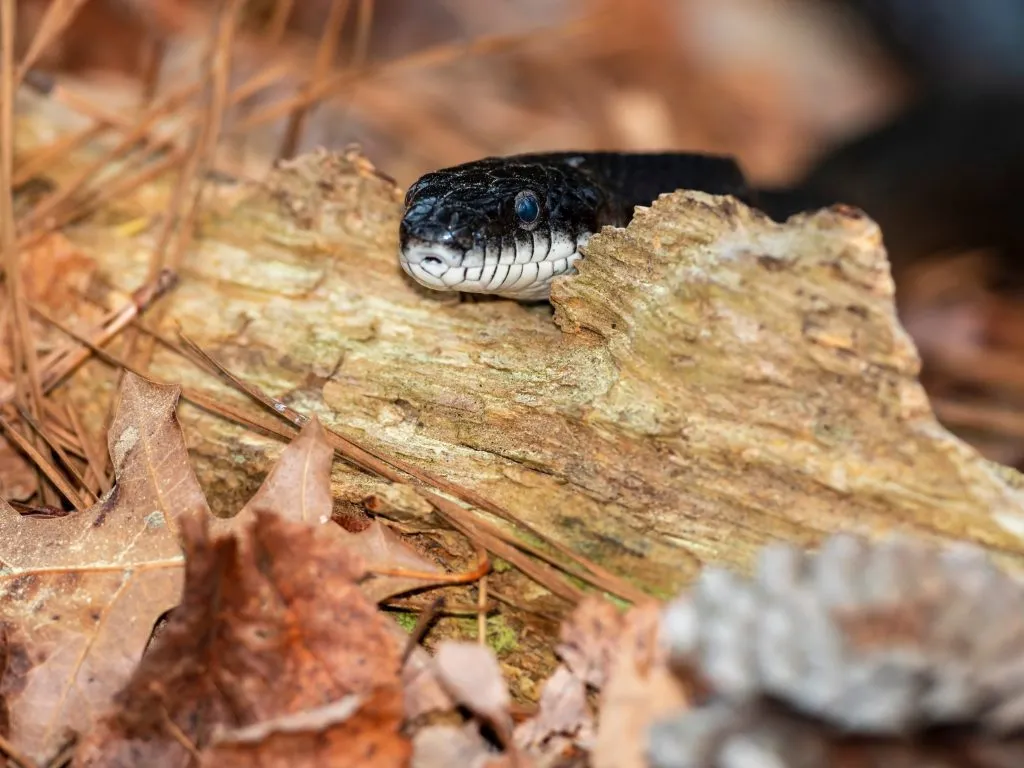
79,594
272,623
354,732
299,488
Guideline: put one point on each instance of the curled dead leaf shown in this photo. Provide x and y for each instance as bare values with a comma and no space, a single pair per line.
383,549
299,488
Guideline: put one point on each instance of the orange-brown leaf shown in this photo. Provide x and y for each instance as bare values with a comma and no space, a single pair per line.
365,738
272,623
79,594
299,488
380,547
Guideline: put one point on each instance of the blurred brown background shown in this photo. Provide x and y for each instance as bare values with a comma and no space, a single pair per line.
422,84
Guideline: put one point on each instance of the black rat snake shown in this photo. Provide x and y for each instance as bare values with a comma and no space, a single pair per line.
944,176
508,225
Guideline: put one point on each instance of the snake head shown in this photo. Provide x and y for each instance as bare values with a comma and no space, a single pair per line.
500,225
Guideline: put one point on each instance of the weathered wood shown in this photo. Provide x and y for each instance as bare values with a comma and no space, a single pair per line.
709,381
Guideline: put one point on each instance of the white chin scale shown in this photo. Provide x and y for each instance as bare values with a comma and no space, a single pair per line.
512,273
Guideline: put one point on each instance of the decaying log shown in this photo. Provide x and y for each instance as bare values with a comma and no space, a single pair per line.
709,381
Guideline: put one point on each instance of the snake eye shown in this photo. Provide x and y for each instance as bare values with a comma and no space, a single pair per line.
527,207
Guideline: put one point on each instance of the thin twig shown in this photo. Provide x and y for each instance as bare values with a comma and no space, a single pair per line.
364,25
478,572
430,57
27,388
179,735
13,753
278,22
114,189
95,459
42,463
48,206
54,446
420,629
481,615
48,155
325,54
59,208
61,362
58,16
181,220
155,48
206,402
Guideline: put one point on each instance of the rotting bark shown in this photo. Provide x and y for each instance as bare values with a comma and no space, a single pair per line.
708,382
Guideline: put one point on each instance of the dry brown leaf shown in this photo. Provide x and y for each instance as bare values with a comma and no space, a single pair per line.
381,547
471,674
639,690
299,488
299,485
272,623
423,691
563,717
589,639
357,732
441,746
80,593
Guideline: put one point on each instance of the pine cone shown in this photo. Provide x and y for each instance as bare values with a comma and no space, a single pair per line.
874,638
725,735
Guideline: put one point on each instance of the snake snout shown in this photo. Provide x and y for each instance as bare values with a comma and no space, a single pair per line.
431,256
432,264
